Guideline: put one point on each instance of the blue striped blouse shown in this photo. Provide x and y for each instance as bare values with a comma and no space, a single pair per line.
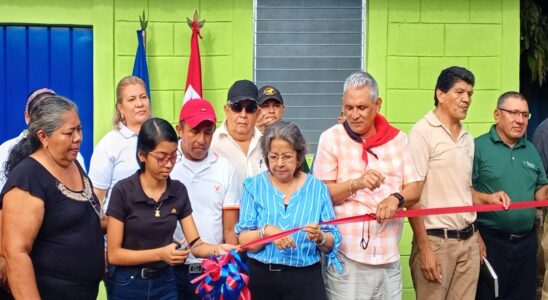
262,204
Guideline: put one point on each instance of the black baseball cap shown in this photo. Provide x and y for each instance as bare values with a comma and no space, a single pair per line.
242,90
268,92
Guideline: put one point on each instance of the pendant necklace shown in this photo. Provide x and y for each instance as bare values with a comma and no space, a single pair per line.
284,196
157,207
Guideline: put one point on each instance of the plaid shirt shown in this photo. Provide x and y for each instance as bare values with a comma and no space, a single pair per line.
339,158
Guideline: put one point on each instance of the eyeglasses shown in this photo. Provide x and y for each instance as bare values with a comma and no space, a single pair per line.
238,107
162,160
516,113
364,243
273,158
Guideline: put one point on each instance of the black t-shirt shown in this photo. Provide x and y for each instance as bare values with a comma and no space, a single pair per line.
143,227
69,245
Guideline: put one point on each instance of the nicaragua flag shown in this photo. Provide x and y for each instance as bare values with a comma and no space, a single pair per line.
140,68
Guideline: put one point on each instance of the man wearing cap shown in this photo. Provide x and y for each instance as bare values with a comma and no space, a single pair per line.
271,107
237,139
212,186
33,99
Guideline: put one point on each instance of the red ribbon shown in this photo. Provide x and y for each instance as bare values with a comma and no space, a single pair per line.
408,214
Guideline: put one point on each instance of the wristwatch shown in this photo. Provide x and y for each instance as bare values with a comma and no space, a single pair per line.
400,199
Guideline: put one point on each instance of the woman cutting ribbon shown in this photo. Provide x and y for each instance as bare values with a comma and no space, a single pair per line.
142,216
282,198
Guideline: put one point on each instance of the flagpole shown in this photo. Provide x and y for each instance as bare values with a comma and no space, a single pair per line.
193,86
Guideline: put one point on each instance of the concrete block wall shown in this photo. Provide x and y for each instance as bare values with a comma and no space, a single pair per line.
410,41
226,48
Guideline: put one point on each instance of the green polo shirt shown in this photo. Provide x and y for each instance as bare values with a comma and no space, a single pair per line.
518,171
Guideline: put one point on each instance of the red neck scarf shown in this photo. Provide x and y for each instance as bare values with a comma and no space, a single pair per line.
384,132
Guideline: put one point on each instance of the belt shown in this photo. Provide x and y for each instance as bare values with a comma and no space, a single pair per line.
146,273
504,235
191,268
459,234
278,267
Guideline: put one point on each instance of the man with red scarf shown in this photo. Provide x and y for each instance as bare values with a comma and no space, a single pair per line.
367,166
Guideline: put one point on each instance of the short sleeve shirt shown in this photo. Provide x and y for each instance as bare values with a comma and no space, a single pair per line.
445,166
246,164
516,170
114,158
143,227
5,149
212,186
339,158
69,244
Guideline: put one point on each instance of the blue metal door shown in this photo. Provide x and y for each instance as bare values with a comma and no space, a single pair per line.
60,58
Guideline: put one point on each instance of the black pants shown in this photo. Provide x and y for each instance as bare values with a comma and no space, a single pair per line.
185,289
515,262
279,282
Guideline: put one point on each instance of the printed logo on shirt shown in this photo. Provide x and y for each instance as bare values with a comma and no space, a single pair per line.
174,211
217,187
530,165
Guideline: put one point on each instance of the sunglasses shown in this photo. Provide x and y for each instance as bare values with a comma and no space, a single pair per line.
238,107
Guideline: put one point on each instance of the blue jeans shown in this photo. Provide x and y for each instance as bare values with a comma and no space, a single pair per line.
126,283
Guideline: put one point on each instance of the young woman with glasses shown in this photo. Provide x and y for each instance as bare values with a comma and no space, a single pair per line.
143,213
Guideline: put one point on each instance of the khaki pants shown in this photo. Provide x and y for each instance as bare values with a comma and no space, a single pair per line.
544,243
460,265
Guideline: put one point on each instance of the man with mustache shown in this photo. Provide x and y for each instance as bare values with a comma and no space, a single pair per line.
237,139
505,160
367,166
212,185
445,255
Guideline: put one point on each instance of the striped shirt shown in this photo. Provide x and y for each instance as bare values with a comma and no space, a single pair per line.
263,204
340,159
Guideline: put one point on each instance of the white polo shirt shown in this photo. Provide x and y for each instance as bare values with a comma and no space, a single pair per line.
114,158
5,149
246,165
212,186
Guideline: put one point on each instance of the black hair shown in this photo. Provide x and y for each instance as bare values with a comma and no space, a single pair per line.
510,94
450,76
47,115
153,132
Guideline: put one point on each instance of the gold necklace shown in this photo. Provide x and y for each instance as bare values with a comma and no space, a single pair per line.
157,207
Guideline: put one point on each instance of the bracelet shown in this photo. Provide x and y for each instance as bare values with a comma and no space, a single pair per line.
352,193
261,231
322,241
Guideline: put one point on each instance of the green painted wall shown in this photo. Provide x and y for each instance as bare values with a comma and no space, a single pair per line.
408,43
226,48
